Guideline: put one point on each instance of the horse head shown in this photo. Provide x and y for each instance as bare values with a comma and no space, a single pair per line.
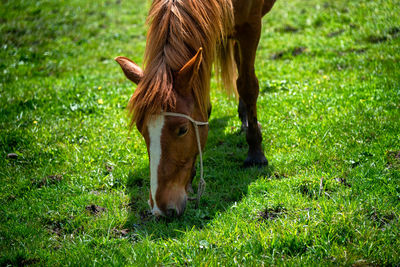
172,137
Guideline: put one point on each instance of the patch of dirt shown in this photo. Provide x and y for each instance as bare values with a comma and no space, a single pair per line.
278,55
49,180
351,50
342,181
393,159
377,38
381,219
278,175
94,209
299,50
335,33
11,197
25,262
393,32
121,232
362,263
294,52
308,190
357,50
109,168
271,213
289,28
394,154
56,228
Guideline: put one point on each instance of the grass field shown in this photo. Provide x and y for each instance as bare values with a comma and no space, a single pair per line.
75,182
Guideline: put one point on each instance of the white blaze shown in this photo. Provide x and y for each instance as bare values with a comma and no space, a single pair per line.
155,127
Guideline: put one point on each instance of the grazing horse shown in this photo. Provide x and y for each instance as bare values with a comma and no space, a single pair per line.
171,104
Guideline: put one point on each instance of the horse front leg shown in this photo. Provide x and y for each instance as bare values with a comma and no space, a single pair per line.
248,36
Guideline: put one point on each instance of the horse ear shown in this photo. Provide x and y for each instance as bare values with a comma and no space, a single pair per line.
186,74
131,70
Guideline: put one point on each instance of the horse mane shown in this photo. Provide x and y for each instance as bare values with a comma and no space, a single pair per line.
177,29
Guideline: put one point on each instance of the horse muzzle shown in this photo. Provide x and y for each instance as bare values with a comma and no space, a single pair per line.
178,209
173,210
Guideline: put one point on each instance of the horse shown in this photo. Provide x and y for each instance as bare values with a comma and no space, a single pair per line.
171,104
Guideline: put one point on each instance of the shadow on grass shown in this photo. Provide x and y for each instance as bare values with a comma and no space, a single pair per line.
227,183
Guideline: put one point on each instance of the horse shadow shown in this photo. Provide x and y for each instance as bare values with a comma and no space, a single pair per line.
227,183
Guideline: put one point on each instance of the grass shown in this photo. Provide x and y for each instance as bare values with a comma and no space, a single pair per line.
74,181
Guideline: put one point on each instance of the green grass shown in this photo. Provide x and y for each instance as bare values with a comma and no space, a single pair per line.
329,107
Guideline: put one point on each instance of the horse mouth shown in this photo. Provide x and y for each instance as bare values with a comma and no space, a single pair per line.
171,212
176,212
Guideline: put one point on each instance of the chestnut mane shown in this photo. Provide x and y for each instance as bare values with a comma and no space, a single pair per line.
177,29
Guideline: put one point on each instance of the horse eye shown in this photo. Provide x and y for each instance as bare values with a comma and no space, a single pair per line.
182,131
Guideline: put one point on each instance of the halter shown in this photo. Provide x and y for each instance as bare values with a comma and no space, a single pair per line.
202,182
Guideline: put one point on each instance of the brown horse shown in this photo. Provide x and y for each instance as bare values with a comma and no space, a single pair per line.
171,104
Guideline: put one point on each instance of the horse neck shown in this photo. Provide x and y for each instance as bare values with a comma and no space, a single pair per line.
177,30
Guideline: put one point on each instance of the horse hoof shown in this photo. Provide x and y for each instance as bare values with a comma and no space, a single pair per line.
256,160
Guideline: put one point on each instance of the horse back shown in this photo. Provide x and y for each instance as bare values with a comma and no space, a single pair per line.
247,11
